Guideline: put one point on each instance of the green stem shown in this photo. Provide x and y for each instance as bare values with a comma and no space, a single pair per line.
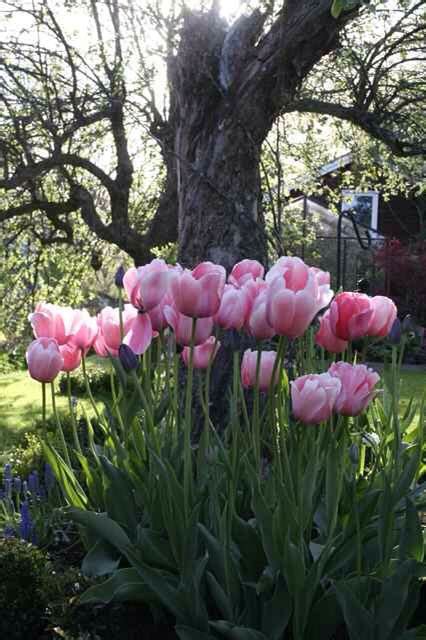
73,421
88,389
43,409
58,424
188,424
145,404
256,419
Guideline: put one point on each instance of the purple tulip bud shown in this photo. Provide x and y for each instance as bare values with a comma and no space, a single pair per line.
128,358
119,275
408,324
394,335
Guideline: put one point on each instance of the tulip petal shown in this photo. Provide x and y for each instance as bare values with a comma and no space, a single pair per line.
140,334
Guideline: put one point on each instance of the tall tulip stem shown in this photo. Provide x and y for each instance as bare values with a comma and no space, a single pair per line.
188,423
58,424
73,420
43,409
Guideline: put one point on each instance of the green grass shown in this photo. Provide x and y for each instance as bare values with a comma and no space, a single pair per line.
413,385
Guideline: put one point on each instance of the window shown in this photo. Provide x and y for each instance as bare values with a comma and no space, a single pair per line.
364,205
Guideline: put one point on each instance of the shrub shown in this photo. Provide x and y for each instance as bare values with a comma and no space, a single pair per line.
99,380
23,598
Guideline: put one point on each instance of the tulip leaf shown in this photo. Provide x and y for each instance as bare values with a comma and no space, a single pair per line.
408,474
219,596
277,612
119,499
186,633
103,527
101,559
324,618
124,586
74,493
411,543
337,8
395,592
359,622
232,632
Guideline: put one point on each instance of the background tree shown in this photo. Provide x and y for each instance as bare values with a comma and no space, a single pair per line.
82,134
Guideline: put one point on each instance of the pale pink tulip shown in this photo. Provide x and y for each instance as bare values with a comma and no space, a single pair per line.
266,367
146,286
44,359
384,315
197,293
292,299
158,319
52,321
234,307
257,324
325,293
84,330
357,387
108,339
71,356
350,315
182,327
139,334
325,338
314,396
245,271
203,354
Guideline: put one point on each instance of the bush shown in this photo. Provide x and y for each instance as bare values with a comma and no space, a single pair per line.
24,571
99,380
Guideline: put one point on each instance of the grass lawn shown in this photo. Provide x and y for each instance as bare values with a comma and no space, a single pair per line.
20,402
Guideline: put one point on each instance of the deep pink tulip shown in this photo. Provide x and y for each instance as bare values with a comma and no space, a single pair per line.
197,293
384,315
203,354
249,365
84,330
146,286
139,335
108,339
245,271
182,327
257,324
44,359
325,338
71,356
52,321
350,315
292,299
234,307
314,397
357,390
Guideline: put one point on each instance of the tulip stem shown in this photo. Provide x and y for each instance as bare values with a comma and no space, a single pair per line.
43,409
58,423
256,419
188,424
88,389
73,421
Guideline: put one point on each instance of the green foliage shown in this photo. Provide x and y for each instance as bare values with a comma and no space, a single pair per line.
24,571
99,380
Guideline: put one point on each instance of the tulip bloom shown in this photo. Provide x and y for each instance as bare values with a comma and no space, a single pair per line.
182,327
71,356
146,286
139,335
234,307
350,315
203,354
257,324
197,293
109,337
293,297
158,319
84,330
314,396
44,359
52,321
357,387
384,315
245,271
325,338
249,366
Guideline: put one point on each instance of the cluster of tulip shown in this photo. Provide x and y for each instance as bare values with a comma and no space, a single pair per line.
191,303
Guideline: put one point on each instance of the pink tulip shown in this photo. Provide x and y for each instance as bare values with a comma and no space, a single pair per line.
44,359
325,338
245,271
182,327
109,337
139,334
314,396
71,356
197,293
325,293
158,319
384,315
146,286
292,299
257,324
234,307
52,321
203,354
249,365
357,387
84,330
350,315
